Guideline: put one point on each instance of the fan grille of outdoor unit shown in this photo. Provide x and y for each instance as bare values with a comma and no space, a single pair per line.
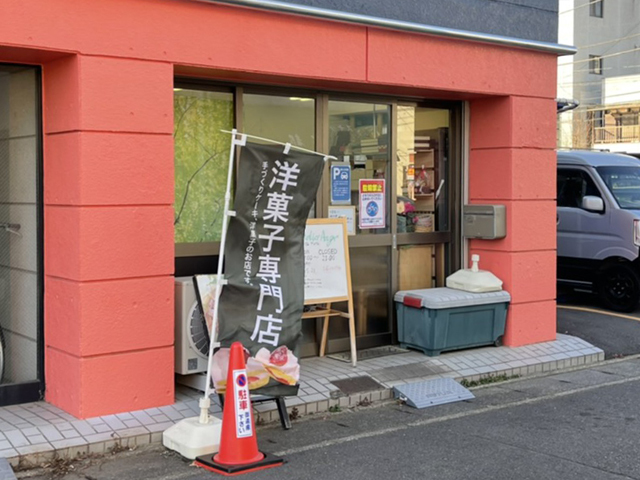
198,335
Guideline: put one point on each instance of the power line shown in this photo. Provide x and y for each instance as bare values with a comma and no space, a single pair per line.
561,79
599,97
609,55
595,82
615,40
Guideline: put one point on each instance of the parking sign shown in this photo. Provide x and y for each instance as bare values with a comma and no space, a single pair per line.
340,184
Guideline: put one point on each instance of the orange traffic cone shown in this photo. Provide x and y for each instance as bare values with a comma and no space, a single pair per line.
238,443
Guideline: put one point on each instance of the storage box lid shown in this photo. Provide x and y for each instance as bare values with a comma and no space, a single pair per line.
438,298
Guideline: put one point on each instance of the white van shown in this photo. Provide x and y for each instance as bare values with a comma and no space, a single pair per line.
599,225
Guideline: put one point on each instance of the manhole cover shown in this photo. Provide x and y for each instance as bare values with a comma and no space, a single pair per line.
369,353
351,386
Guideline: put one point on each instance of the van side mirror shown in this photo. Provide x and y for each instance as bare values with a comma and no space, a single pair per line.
592,203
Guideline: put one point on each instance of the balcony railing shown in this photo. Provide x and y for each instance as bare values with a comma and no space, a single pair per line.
619,134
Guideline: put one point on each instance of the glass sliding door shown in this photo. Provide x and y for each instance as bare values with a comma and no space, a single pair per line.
425,179
21,353
359,136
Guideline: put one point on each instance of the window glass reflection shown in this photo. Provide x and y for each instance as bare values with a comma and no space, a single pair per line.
422,169
201,163
359,138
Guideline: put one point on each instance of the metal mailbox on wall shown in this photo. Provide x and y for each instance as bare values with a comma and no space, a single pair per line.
488,222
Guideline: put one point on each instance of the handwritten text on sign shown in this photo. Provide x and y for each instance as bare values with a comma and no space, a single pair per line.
325,266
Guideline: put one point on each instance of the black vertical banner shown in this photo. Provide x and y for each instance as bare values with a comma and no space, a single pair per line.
261,304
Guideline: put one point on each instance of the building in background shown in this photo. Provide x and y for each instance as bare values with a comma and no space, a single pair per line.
604,76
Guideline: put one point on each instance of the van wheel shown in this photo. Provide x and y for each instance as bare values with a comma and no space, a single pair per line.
619,288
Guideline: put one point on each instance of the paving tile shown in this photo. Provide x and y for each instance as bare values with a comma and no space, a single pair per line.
180,406
114,422
17,439
70,434
83,427
64,426
35,439
99,437
8,453
172,413
69,442
37,422
160,418
132,423
159,427
30,431
486,369
51,433
145,419
95,421
37,448
131,432
101,428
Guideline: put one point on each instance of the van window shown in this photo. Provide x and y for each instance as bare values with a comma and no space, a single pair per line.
624,184
573,185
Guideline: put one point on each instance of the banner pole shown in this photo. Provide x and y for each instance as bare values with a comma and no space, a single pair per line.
205,402
286,145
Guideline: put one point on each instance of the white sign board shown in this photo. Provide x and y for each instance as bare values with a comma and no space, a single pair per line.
348,212
326,261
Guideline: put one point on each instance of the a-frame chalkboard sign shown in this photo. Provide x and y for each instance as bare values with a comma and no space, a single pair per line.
327,277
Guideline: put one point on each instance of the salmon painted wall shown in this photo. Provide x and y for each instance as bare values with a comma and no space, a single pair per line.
108,70
512,162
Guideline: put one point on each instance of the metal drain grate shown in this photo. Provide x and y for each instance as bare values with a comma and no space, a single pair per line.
432,392
353,385
369,353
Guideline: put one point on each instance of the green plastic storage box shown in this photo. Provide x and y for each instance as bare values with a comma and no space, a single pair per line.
435,320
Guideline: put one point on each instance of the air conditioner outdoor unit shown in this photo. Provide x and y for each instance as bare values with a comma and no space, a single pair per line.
192,340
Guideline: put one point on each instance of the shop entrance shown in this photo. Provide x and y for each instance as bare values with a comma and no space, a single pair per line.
403,149
21,356
408,148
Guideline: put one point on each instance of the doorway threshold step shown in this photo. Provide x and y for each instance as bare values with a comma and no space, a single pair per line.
432,392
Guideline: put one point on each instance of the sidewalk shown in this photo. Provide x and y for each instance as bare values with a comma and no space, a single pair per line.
35,432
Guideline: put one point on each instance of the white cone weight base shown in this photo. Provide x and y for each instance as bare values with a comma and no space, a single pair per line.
190,438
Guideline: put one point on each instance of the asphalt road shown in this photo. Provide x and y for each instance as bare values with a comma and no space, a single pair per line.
581,425
580,315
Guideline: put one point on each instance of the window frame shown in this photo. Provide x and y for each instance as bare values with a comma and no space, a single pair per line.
196,253
203,249
596,8
595,64
589,178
